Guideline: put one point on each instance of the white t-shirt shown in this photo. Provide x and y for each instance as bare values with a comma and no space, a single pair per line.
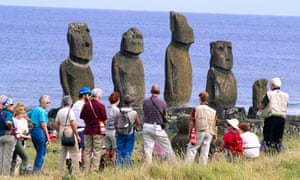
22,126
62,116
77,107
250,144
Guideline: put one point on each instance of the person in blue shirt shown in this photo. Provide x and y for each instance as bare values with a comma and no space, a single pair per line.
7,139
39,134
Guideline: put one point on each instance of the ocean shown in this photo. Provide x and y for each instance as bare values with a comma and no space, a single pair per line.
33,44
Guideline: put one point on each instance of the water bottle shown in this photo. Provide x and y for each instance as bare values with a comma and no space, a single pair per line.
194,136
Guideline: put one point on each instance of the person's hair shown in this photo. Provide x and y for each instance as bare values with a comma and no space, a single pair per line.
155,89
19,110
97,92
114,97
67,101
128,100
244,126
44,98
204,96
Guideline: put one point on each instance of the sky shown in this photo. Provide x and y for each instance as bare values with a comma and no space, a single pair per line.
253,7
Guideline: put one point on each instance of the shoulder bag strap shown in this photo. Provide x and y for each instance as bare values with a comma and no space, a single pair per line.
67,117
156,107
93,109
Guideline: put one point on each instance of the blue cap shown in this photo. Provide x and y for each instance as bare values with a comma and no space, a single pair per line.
84,90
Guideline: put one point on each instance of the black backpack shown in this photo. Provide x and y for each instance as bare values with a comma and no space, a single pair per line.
124,125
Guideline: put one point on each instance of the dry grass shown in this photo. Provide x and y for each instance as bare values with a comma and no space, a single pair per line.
281,166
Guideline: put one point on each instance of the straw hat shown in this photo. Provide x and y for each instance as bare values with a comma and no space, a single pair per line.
233,122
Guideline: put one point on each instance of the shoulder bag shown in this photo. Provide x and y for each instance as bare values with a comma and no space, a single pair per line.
68,140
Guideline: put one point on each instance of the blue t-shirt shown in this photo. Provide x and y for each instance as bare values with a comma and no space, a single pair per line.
38,115
5,116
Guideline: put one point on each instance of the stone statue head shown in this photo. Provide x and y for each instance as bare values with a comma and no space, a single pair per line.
80,42
132,41
221,55
181,31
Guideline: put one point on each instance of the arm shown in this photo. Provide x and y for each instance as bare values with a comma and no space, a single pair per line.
264,102
45,129
74,128
56,125
191,122
215,136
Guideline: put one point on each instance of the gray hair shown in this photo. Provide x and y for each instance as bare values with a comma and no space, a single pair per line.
44,98
67,101
97,92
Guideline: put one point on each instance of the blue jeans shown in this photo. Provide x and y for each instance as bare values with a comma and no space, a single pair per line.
39,141
125,145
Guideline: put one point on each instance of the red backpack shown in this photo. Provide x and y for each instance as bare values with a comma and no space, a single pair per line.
236,147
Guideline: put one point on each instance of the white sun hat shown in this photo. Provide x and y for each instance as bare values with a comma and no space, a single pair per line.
233,122
276,81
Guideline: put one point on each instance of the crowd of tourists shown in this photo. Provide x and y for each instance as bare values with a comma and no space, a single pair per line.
87,125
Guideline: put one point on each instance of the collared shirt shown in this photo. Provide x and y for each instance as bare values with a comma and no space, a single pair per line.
92,126
151,113
38,115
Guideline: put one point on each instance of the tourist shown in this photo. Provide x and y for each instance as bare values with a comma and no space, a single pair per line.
93,113
39,133
275,103
65,123
125,142
232,142
84,96
251,143
22,134
204,119
110,136
153,108
7,139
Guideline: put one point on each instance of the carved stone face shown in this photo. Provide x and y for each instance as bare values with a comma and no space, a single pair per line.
181,31
132,41
80,41
221,55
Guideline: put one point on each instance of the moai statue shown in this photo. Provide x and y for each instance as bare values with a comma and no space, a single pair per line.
180,140
259,89
127,67
75,71
178,67
221,83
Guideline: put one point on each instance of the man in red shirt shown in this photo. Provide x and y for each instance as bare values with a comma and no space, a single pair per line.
93,112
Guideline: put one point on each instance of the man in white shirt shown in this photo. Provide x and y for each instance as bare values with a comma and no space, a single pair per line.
84,95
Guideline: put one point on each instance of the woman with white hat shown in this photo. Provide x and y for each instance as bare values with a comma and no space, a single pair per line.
232,142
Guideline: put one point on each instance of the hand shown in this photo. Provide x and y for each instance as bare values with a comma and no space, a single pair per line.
78,139
215,138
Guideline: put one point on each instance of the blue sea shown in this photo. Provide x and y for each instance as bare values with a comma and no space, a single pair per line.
33,44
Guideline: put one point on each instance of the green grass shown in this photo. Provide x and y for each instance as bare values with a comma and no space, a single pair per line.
281,166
